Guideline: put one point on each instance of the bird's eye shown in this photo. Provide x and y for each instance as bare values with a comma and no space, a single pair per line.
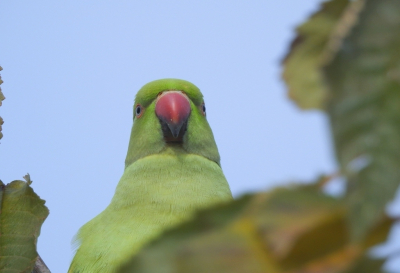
138,111
203,109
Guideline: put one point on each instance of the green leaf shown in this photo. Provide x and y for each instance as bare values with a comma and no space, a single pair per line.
22,215
367,265
364,110
1,123
1,99
304,61
289,230
315,45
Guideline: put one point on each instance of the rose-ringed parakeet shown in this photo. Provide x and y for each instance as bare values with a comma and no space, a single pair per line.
172,168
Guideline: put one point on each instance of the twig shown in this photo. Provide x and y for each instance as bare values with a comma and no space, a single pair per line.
40,266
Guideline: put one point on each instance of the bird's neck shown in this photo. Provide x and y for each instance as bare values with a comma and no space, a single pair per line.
171,182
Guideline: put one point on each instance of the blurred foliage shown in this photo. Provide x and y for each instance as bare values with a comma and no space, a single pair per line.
22,215
303,63
1,99
364,109
298,229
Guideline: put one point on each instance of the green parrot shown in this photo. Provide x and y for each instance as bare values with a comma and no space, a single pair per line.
172,169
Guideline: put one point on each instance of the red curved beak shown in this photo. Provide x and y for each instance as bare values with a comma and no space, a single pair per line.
173,108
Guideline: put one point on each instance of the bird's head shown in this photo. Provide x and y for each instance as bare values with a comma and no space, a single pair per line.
170,112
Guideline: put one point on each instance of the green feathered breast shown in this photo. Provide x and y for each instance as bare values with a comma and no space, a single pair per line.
165,179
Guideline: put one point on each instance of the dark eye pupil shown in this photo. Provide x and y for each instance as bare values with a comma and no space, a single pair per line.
138,110
204,108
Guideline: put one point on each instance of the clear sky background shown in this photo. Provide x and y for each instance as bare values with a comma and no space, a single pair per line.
72,69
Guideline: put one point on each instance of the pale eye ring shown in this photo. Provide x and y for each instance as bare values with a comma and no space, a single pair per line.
138,111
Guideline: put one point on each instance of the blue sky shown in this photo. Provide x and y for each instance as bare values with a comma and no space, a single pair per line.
72,69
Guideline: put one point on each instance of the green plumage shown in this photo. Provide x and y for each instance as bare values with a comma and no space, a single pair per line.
162,185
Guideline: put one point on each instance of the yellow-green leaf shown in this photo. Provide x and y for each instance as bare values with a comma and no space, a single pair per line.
22,215
316,42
